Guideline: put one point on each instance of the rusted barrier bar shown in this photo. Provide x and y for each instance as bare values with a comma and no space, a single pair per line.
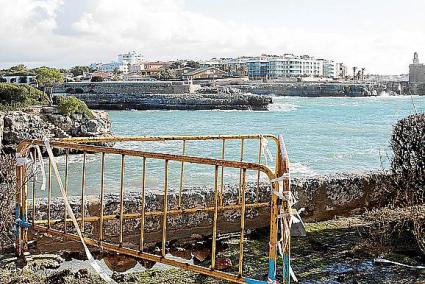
182,175
66,186
260,149
121,200
102,195
240,172
25,181
129,216
214,230
242,222
83,192
49,194
222,174
18,243
142,205
164,216
151,257
33,190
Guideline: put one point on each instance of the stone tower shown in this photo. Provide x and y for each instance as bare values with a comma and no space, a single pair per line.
416,70
415,58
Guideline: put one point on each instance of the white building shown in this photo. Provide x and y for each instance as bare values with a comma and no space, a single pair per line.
136,68
20,79
290,65
111,67
130,58
125,60
329,68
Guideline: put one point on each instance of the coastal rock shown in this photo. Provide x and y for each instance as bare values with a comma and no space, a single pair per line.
47,122
223,101
19,125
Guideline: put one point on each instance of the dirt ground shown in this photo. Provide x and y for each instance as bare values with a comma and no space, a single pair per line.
332,252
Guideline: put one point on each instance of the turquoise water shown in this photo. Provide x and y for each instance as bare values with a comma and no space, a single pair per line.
323,135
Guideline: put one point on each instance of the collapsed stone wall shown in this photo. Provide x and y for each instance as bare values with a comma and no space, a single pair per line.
322,197
408,164
325,197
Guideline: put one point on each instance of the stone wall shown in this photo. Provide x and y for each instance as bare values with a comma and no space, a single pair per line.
306,89
417,89
126,88
323,198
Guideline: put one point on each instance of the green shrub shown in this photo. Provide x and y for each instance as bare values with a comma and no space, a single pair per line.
70,105
17,96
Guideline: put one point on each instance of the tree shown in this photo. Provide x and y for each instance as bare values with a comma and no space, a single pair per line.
176,65
18,70
80,70
48,77
117,71
96,79
193,64
166,74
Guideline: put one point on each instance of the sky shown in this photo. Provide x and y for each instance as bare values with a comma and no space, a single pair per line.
380,35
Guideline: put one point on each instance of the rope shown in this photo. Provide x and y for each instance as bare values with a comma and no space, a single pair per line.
284,219
90,258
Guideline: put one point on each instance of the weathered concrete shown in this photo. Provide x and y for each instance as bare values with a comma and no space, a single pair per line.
322,197
175,101
126,88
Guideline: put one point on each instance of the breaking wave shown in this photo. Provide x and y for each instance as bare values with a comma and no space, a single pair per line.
282,107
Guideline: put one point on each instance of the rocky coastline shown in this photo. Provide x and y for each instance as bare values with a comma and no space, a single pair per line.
118,101
40,122
321,89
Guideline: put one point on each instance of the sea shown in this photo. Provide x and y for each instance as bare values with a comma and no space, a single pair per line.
323,136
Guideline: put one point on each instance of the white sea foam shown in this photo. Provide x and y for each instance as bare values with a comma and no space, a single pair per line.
301,170
282,107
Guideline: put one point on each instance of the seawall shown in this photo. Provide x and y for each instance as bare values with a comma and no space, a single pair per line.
323,198
311,89
126,88
119,101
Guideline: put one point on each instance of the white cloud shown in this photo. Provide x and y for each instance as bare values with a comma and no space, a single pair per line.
32,32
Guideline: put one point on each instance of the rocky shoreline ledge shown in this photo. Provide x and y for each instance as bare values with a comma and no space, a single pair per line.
187,101
47,122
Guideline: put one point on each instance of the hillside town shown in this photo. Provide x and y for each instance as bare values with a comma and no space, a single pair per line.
133,66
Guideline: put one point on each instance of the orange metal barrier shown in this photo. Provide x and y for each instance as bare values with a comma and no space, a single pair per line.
84,146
